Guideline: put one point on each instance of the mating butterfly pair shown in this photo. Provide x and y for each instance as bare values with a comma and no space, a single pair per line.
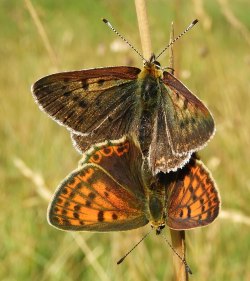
165,123
110,192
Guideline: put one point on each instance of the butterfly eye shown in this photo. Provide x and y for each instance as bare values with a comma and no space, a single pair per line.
157,64
162,226
159,229
153,61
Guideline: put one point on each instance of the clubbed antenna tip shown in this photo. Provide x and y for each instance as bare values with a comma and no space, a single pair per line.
194,22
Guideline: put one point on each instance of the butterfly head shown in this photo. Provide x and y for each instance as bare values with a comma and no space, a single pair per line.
152,67
152,62
160,228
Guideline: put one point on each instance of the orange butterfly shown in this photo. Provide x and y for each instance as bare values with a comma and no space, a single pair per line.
107,103
111,192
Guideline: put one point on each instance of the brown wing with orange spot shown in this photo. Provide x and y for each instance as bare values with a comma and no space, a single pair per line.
194,199
120,158
90,199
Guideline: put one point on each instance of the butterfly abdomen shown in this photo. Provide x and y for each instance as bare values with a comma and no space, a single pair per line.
149,103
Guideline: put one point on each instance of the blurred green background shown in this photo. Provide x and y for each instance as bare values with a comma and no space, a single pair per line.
36,154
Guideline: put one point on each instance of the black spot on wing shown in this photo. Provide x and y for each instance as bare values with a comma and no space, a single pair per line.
114,216
66,94
185,104
88,203
66,204
100,216
76,215
85,84
91,196
82,104
77,207
100,82
181,213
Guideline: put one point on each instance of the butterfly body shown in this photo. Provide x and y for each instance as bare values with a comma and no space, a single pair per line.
156,214
110,192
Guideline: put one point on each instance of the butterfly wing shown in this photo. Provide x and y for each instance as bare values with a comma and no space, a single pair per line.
161,157
194,199
106,193
120,158
80,142
189,123
90,199
92,102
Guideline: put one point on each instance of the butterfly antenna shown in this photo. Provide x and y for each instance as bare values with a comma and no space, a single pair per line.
124,39
123,258
188,269
178,37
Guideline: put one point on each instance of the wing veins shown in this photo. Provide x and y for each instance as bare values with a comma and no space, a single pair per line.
112,108
191,179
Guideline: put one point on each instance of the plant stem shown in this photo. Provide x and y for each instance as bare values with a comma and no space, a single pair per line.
143,28
177,237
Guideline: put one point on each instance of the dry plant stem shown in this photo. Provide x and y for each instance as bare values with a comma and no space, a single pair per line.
235,217
177,237
171,50
178,243
41,32
142,18
36,178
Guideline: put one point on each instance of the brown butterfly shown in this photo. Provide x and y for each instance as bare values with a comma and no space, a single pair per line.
110,192
108,103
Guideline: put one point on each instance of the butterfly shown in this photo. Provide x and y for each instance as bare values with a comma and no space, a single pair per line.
108,103
110,192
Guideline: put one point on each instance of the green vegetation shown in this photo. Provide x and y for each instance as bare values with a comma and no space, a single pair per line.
216,60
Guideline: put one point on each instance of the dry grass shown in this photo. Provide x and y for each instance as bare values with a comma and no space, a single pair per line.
36,154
